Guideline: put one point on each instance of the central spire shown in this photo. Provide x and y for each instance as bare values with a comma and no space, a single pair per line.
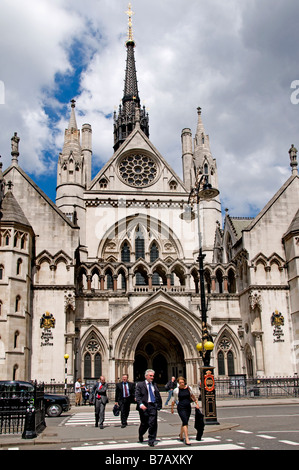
127,117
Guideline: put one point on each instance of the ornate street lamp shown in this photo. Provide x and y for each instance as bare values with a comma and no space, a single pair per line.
203,191
66,356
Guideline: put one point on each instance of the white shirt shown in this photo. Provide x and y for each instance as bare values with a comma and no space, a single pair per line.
126,385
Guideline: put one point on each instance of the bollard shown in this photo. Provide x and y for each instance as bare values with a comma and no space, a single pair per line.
29,428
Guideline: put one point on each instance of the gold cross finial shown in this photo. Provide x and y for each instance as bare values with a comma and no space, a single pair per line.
130,13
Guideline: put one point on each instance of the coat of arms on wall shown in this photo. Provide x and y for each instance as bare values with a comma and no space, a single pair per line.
47,322
277,320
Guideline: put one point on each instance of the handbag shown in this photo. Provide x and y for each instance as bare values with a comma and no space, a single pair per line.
116,410
199,424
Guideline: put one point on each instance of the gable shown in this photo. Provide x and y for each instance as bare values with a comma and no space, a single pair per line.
49,224
265,232
137,166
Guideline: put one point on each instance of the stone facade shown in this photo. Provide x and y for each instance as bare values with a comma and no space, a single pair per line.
109,274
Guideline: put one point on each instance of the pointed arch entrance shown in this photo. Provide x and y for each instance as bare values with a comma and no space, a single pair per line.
160,350
160,334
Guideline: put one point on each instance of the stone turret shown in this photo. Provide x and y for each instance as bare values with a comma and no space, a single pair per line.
74,170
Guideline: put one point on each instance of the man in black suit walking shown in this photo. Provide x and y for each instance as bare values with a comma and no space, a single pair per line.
149,402
124,396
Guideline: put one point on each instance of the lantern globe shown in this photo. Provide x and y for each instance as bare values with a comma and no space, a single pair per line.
209,346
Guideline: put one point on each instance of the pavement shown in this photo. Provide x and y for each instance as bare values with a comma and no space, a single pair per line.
57,433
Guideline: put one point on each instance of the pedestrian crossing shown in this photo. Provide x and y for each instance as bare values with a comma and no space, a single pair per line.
167,443
88,419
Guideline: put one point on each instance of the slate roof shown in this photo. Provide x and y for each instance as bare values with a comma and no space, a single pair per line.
12,212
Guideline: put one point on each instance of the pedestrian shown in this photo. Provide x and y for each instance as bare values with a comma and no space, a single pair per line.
124,396
149,402
85,393
100,400
169,387
78,392
183,396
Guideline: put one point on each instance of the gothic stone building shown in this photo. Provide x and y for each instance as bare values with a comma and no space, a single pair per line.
109,274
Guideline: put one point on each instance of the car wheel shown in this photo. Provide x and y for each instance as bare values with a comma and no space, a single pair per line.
54,410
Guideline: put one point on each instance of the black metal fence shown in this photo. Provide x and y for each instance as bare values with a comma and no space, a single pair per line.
239,386
22,410
235,386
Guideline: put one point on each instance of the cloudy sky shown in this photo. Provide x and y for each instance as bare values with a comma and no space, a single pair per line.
237,60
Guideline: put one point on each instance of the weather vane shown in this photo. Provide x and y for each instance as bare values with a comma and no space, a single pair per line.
130,13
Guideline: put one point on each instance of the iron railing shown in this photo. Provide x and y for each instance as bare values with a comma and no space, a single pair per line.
15,405
235,386
239,386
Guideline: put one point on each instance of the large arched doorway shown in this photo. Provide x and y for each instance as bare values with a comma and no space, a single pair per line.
160,350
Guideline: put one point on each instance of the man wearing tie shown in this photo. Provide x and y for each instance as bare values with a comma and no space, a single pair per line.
149,402
100,399
124,396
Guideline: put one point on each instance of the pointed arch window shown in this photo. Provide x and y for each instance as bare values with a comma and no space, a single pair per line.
109,279
139,244
19,266
92,359
219,280
154,252
125,253
98,365
18,303
16,339
87,365
220,360
230,363
225,357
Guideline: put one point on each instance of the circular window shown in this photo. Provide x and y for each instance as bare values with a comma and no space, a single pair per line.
138,170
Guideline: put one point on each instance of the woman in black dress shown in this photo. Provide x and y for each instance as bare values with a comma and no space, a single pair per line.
183,396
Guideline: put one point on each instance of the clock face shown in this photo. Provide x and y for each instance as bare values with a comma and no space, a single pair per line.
138,170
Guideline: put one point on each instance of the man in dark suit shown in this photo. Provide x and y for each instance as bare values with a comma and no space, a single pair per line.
100,400
124,396
149,402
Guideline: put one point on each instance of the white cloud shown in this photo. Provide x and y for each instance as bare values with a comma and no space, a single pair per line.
235,59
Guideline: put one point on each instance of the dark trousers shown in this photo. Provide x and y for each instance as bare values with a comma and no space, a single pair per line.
149,421
124,409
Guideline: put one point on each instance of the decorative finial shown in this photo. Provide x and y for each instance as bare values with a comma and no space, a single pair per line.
130,13
73,103
293,157
15,148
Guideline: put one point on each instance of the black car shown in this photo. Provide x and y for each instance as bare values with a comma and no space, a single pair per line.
23,391
56,404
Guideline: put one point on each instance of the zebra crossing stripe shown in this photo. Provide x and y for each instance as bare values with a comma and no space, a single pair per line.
165,443
85,419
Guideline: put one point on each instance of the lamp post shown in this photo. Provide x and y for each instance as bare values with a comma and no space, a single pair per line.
204,191
66,356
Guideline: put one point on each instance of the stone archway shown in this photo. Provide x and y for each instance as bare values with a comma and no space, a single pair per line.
173,331
160,350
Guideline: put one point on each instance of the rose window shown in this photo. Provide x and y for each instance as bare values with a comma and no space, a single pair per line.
138,170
